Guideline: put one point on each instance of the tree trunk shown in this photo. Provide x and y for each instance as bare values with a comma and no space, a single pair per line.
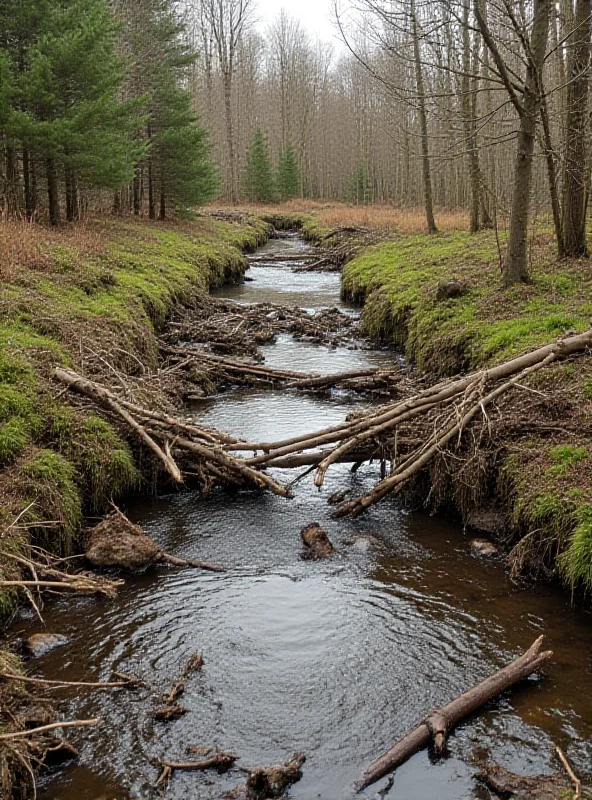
136,189
151,198
515,267
52,192
72,208
469,124
30,185
423,123
575,193
551,158
230,135
162,213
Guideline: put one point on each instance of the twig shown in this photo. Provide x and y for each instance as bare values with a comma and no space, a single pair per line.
575,781
78,723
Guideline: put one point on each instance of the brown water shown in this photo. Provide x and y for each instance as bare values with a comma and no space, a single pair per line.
335,658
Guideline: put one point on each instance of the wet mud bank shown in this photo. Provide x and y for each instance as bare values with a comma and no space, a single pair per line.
334,657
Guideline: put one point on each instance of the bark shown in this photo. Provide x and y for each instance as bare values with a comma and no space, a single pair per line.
137,200
515,268
30,184
227,78
435,728
52,192
575,189
72,207
162,211
551,159
151,198
467,106
423,124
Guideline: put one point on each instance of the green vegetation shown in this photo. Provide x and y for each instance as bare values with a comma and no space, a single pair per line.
397,281
546,484
95,304
288,179
258,183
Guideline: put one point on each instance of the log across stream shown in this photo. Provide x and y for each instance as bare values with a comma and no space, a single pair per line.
336,658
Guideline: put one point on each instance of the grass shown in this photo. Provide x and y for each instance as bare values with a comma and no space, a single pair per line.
396,281
322,216
91,296
546,484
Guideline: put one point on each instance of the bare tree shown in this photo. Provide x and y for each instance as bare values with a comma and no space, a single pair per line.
526,98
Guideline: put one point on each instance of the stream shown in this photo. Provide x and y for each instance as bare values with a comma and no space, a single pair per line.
337,658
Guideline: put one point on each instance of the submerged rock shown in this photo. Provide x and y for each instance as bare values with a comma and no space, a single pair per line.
117,542
483,548
41,643
316,542
538,787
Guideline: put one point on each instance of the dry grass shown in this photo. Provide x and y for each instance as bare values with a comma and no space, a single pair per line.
381,217
30,246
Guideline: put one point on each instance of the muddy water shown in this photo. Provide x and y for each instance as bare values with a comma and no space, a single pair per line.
337,658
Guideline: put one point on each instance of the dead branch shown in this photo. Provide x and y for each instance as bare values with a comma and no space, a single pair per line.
125,682
107,399
219,761
438,724
78,723
189,562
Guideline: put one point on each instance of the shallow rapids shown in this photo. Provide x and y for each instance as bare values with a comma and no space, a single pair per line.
337,658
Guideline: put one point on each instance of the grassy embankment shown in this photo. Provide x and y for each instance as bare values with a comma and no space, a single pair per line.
91,297
544,481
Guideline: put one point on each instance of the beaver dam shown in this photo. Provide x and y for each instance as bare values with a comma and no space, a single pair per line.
333,658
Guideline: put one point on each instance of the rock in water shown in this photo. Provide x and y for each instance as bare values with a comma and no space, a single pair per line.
117,542
316,542
483,548
41,643
269,782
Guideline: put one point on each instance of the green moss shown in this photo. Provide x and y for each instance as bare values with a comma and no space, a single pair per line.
396,281
564,457
57,499
576,562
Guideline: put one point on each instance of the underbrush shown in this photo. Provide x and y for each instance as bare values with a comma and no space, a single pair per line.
91,297
543,479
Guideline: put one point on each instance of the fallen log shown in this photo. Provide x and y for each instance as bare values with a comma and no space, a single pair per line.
439,722
107,399
325,381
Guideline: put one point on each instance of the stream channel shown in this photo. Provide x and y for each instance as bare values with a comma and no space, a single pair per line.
334,658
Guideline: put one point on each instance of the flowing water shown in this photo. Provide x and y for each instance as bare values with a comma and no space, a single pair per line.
336,658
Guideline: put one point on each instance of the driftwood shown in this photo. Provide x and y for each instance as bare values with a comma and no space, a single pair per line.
78,723
125,682
448,408
437,725
219,761
168,708
316,542
268,782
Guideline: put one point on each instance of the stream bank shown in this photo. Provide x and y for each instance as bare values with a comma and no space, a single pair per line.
333,658
440,299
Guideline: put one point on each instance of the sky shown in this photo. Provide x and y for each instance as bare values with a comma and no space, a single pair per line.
315,15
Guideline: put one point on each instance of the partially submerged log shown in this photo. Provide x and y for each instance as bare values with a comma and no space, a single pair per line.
269,782
316,543
437,725
217,761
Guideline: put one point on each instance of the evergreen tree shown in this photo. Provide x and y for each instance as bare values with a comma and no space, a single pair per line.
176,170
258,184
179,152
66,116
288,175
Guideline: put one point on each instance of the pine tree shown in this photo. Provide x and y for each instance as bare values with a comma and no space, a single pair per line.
66,117
288,175
179,152
258,184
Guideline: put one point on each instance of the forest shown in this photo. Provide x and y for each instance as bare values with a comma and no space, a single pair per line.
295,399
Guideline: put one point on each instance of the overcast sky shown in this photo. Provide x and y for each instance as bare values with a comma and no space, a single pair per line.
315,15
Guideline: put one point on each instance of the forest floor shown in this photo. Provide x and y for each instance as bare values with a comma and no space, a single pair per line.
440,299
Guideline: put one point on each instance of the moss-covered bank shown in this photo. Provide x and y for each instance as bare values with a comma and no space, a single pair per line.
93,298
541,474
